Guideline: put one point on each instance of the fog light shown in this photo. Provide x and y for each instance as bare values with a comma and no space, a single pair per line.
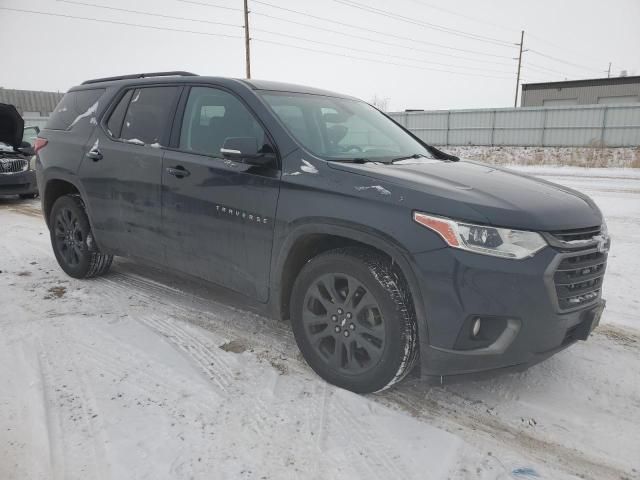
475,330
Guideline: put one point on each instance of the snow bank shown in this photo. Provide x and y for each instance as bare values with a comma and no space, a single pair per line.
571,156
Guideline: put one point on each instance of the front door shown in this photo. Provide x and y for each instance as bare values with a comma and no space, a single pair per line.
218,215
122,172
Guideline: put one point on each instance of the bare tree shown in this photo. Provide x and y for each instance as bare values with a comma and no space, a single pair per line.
380,102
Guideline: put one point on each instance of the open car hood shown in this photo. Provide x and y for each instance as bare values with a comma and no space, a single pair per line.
11,125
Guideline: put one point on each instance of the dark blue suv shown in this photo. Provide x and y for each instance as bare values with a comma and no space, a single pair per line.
386,254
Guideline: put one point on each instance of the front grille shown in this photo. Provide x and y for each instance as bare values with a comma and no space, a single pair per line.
576,234
578,279
11,165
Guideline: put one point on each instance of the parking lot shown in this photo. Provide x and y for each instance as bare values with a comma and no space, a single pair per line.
142,374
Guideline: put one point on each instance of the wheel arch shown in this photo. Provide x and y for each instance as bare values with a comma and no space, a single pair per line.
59,185
308,240
53,189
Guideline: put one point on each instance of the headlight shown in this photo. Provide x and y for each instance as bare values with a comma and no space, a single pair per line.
32,163
499,242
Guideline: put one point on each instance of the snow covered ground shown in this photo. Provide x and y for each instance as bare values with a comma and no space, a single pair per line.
144,375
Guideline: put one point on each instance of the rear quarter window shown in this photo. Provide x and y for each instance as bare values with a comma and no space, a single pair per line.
74,107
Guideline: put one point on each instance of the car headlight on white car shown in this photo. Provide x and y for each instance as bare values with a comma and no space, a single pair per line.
484,239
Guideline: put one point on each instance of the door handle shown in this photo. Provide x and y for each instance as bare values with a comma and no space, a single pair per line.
94,154
179,171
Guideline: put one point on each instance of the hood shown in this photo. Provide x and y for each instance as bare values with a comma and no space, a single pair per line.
503,197
11,125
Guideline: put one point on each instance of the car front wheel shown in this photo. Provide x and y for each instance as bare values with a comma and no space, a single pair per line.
353,319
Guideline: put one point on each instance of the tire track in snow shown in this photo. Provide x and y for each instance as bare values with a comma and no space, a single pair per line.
211,362
214,365
450,419
71,409
210,359
446,409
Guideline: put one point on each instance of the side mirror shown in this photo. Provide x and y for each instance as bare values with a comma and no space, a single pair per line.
245,149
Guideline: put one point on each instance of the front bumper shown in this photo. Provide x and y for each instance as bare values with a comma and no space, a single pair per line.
517,296
19,183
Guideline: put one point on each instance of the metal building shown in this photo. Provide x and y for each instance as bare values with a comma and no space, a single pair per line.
606,91
31,103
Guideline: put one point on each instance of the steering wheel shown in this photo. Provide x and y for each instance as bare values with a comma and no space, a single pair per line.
349,148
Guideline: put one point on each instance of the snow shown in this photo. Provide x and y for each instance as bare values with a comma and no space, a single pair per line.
90,112
308,167
135,141
550,156
377,188
123,377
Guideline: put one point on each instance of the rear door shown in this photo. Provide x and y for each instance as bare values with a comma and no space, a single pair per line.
122,173
218,215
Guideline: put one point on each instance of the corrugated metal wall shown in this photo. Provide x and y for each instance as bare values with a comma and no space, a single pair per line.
574,126
31,100
583,95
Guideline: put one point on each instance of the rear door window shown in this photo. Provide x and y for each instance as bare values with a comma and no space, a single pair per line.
114,125
74,107
147,117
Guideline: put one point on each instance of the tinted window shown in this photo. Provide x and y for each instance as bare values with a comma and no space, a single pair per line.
114,125
74,107
148,115
213,115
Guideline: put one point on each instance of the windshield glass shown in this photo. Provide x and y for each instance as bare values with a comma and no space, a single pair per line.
342,129
29,135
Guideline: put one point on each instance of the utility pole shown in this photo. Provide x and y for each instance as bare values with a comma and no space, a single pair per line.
609,71
247,50
515,102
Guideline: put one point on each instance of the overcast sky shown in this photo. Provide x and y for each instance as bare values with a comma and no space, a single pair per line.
429,54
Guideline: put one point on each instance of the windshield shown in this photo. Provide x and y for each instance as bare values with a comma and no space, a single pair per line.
342,129
29,135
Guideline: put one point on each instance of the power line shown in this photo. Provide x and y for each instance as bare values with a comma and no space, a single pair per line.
375,60
440,28
139,12
137,25
113,22
212,5
372,52
542,69
370,30
563,61
458,14
380,42
172,17
565,48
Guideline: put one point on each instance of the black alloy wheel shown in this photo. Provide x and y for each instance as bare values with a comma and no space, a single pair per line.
344,323
353,319
72,240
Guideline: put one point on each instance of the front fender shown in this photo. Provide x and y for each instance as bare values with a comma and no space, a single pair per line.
358,233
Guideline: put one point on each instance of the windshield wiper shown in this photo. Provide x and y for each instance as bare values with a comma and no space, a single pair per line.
409,157
355,160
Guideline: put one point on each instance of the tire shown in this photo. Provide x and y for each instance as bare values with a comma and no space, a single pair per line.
353,319
72,240
25,196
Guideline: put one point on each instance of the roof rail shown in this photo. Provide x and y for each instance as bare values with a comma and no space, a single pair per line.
141,75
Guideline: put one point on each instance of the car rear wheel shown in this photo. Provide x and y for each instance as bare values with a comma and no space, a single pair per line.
353,320
72,240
